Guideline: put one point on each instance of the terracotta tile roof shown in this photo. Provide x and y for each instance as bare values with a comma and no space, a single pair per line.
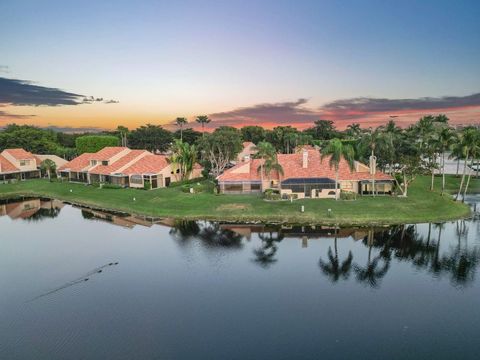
79,163
6,166
292,165
124,160
20,154
150,164
108,152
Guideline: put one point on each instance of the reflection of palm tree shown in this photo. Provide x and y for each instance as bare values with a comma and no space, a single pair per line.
334,269
371,274
213,235
265,254
184,230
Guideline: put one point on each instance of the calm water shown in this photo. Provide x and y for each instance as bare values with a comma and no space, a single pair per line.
80,284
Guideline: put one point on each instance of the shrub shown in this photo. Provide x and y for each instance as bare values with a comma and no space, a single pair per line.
347,195
271,194
94,143
111,186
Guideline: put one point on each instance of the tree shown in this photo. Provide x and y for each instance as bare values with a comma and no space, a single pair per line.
30,138
254,134
184,158
323,130
336,150
202,120
219,148
49,167
470,143
181,122
473,146
123,133
353,130
150,137
371,140
264,150
188,135
94,143
446,138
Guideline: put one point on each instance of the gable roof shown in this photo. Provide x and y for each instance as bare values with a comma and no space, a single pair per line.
149,164
79,163
108,152
117,165
6,166
20,154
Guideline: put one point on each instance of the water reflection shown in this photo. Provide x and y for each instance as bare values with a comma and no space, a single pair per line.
417,245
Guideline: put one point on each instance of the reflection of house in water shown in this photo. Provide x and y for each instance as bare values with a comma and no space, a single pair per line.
28,208
124,220
299,232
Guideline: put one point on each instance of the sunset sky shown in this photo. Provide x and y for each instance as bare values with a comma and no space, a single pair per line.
99,64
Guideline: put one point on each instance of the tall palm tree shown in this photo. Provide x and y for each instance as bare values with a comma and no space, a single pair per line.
372,139
334,269
48,166
354,130
446,138
123,132
203,119
264,150
180,122
469,140
474,149
338,150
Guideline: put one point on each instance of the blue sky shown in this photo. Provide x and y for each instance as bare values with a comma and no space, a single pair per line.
162,59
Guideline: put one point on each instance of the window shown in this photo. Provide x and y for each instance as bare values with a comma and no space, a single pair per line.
255,187
233,187
24,162
93,162
136,179
105,162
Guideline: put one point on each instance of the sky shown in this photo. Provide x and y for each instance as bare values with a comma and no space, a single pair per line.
99,64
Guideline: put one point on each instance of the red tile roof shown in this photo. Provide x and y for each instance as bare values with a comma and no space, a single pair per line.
79,163
6,166
108,152
114,167
20,154
292,165
150,164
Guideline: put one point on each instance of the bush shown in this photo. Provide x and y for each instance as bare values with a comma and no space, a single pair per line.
111,186
271,194
206,187
147,185
347,195
94,143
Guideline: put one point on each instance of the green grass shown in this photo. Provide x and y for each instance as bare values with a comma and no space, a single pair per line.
421,205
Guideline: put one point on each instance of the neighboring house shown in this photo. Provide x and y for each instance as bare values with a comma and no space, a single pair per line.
124,167
305,175
56,159
18,164
247,152
27,208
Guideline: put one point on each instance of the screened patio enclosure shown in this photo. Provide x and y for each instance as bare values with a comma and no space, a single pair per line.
382,187
307,186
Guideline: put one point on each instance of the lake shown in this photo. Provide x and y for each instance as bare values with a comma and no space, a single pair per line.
84,284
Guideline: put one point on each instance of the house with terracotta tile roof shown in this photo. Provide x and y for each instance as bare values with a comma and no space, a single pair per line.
18,164
124,167
305,174
247,152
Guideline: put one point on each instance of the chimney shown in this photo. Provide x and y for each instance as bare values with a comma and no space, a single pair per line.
305,159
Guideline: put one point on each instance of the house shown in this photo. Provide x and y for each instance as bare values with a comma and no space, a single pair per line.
18,164
124,167
305,174
247,152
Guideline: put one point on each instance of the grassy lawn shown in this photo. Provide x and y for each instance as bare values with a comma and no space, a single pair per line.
421,205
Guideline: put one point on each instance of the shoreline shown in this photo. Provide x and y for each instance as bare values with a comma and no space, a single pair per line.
379,211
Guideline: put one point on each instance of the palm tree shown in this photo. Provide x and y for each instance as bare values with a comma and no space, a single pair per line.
469,140
180,122
354,130
458,152
123,132
334,270
474,148
372,139
337,150
48,166
446,138
264,150
183,158
203,119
